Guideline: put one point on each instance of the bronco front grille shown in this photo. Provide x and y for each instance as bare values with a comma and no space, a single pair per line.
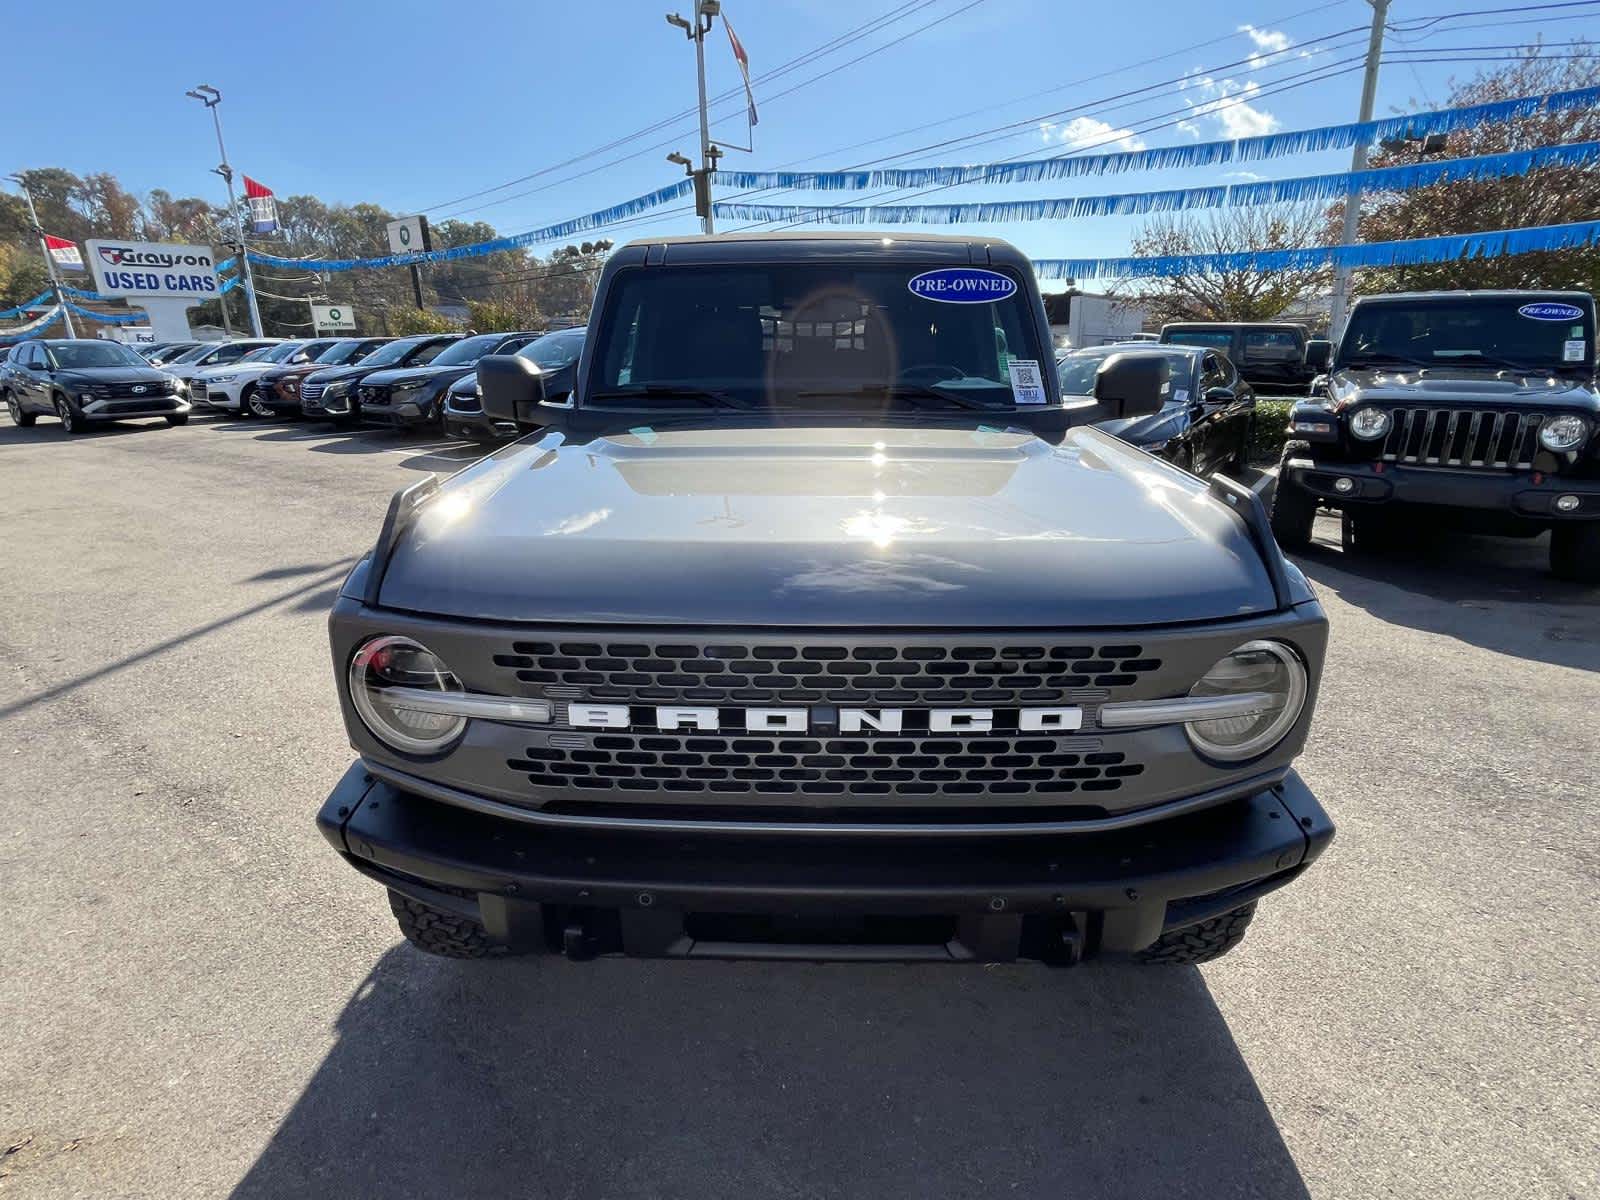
822,766
1469,438
915,673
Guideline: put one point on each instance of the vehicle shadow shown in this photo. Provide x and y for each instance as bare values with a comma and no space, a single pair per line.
634,1078
1496,593
49,430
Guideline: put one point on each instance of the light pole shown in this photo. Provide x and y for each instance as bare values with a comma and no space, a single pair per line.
211,97
1358,162
44,247
705,14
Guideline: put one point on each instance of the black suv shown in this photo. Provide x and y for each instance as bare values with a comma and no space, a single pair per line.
1473,410
814,628
412,395
331,394
83,381
1275,356
555,354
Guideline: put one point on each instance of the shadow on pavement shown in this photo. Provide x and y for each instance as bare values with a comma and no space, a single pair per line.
49,430
1496,593
633,1078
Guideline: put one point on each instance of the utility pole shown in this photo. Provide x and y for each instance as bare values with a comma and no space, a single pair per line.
44,248
705,14
211,97
1358,162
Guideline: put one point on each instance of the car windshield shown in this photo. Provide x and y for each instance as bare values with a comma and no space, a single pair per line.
1076,370
1216,339
389,353
555,350
273,354
468,350
340,353
817,336
193,354
72,355
1506,331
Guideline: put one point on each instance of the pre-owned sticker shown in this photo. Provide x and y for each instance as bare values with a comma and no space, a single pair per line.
1027,384
1572,350
962,285
1549,310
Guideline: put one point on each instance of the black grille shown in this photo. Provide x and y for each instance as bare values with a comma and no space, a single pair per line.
373,396
121,391
811,767
1469,438
734,673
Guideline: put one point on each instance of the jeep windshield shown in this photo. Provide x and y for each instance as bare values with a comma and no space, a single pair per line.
1521,332
815,336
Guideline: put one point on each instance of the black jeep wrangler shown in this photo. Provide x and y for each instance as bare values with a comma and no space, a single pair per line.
1474,410
812,625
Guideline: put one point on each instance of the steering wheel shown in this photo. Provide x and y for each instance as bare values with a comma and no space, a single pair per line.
943,370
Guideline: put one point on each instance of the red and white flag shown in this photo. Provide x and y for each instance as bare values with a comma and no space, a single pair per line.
263,208
64,253
743,59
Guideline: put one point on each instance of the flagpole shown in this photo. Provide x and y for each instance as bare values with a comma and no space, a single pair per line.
211,97
44,246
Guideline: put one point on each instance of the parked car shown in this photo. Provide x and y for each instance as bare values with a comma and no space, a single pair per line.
214,354
1468,410
413,395
556,354
86,381
234,387
278,389
814,601
1204,424
160,354
1270,355
330,394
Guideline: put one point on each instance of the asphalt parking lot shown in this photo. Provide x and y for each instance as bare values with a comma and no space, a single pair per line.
198,999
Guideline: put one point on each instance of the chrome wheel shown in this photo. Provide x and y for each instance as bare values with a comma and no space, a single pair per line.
64,411
257,405
14,409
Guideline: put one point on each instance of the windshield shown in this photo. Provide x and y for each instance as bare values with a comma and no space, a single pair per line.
340,353
555,350
272,354
390,352
193,353
468,350
816,335
1077,369
1216,339
71,355
1504,331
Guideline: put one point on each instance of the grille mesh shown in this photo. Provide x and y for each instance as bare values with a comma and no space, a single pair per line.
735,673
1481,438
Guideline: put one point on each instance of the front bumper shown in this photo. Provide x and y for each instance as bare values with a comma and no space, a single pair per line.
1052,898
1379,483
475,425
128,410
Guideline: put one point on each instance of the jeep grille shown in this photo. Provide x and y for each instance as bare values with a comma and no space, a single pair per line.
1468,438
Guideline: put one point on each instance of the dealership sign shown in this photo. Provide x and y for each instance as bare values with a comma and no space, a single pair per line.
327,317
409,235
153,269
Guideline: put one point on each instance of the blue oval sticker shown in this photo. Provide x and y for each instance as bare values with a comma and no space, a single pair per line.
962,285
1550,311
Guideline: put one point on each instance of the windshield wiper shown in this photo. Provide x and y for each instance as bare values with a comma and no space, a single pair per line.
903,391
1377,360
673,391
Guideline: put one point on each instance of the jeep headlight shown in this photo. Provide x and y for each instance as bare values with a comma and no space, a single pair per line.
391,679
1270,675
1369,424
1564,433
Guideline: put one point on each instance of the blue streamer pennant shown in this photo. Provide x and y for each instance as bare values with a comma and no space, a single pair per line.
21,310
33,329
127,318
1197,154
550,233
1448,248
1274,191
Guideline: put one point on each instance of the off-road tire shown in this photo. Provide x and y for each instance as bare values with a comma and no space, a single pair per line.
1575,552
1203,942
435,931
178,419
1294,510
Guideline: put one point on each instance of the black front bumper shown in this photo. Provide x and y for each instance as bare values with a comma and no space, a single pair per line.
475,425
1515,494
1054,898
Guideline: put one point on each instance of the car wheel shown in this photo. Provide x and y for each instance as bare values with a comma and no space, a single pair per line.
435,931
18,417
178,419
69,422
1294,510
1575,552
245,396
1203,942
258,407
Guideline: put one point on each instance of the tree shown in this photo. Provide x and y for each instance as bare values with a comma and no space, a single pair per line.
1549,196
1227,295
491,316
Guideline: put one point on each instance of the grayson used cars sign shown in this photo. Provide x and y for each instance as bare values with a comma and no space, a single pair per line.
153,269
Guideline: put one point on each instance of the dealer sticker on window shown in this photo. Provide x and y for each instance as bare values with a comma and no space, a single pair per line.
962,285
1027,385
1572,350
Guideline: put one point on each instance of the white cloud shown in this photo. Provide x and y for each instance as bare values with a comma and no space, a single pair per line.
1228,102
1268,41
1247,176
1087,131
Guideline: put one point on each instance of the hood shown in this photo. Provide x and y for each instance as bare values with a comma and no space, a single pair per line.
389,376
1149,430
237,368
466,383
116,374
1448,385
856,527
288,372
334,374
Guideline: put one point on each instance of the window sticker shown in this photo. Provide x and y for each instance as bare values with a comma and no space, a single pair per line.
1549,310
962,285
1180,395
1027,385
1572,350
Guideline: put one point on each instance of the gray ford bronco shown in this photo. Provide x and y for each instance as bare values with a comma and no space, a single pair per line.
1473,410
812,624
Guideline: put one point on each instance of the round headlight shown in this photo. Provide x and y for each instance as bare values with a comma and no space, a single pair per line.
1563,433
1369,424
1273,679
388,671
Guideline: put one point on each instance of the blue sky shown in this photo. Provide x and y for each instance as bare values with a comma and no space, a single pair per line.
412,105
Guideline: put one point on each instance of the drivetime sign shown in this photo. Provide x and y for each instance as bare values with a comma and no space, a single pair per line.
332,316
409,235
152,269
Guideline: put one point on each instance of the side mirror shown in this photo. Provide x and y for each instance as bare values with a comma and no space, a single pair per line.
1131,385
1220,395
513,390
1319,353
